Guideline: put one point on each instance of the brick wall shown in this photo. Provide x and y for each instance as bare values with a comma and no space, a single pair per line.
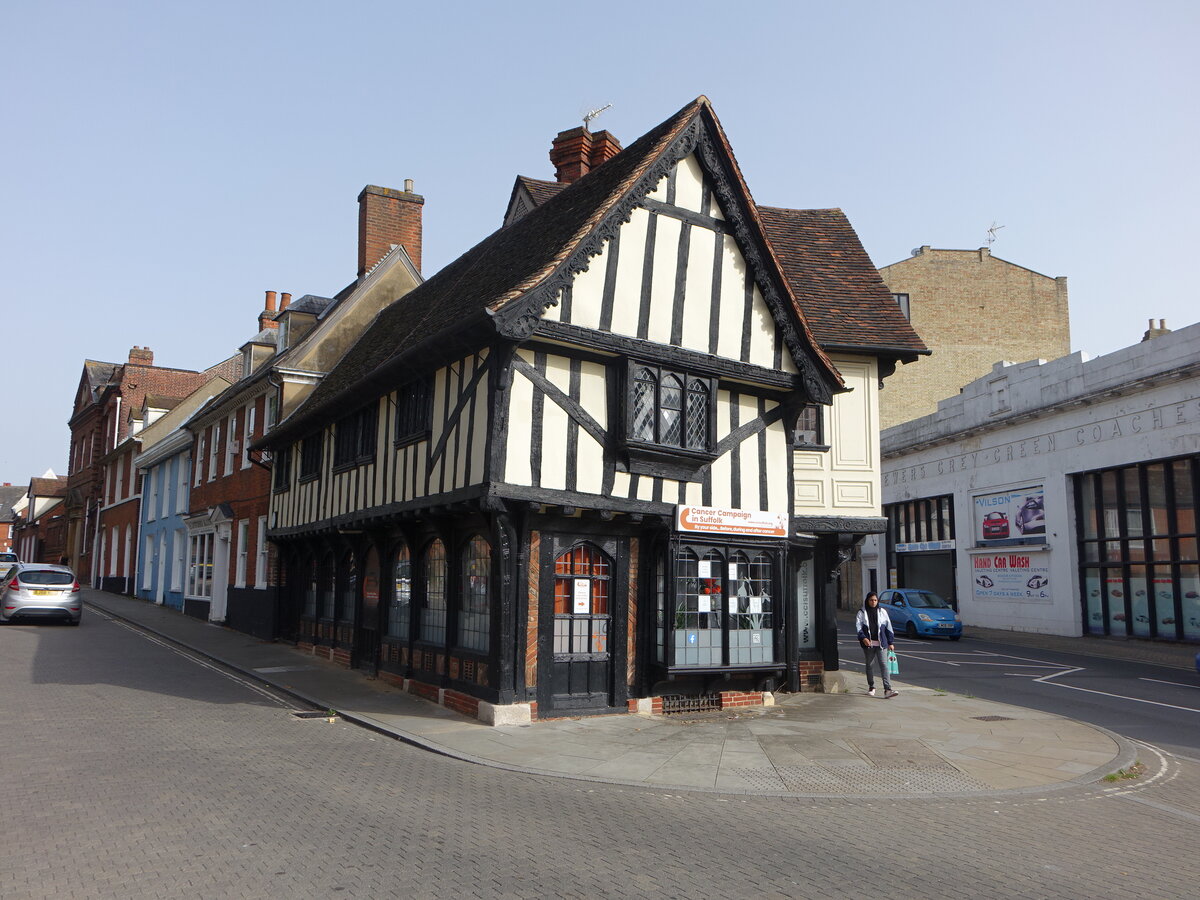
386,217
972,310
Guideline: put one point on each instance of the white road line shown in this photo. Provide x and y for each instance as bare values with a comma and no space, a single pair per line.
1176,683
188,655
1045,679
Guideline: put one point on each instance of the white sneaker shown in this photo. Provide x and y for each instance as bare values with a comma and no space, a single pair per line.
889,693
870,692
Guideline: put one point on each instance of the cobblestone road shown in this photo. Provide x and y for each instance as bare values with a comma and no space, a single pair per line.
130,770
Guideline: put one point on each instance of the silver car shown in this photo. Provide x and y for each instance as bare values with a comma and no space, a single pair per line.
40,590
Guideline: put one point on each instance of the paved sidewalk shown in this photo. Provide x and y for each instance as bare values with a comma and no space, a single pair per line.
824,745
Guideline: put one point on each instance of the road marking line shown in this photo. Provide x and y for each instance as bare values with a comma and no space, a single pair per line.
1176,683
1045,679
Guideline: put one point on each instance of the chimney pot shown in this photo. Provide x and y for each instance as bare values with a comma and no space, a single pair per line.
408,185
285,300
270,301
1162,324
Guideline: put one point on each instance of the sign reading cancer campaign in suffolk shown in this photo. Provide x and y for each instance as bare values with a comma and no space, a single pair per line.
711,520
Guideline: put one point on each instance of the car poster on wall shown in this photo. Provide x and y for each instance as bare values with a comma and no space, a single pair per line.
1010,517
1012,576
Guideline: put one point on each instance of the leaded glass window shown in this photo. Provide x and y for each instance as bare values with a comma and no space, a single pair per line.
433,615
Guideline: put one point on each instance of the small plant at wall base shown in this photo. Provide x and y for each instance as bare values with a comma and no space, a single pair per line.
1134,771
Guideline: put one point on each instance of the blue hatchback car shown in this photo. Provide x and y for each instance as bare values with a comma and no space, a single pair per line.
917,612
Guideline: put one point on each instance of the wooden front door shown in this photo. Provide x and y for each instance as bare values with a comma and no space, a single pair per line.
580,633
366,632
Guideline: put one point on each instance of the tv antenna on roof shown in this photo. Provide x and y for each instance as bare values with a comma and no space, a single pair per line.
588,116
992,234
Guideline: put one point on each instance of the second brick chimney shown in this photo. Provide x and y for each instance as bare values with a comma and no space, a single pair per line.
141,356
386,217
578,151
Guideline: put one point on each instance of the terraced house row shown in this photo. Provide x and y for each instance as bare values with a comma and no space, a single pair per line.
612,457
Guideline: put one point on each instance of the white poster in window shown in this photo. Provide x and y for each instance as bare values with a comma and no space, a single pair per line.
733,604
704,603
733,572
704,568
583,595
756,606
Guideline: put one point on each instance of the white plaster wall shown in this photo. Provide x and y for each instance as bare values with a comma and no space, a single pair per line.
1138,404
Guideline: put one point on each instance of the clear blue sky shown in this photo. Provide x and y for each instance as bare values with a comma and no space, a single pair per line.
166,163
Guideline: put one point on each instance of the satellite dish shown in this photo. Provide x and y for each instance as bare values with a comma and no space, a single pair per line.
916,251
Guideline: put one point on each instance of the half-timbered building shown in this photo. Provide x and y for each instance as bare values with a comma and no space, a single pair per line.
558,477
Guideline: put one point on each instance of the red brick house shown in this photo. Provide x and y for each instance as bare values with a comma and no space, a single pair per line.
100,421
9,497
39,523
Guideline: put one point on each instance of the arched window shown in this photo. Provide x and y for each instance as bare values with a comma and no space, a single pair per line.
670,430
581,600
697,415
474,618
400,611
348,602
644,400
433,615
310,590
325,587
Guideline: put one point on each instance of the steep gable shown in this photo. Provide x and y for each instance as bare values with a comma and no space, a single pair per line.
505,284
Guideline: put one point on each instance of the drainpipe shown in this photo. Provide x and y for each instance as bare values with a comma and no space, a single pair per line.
116,425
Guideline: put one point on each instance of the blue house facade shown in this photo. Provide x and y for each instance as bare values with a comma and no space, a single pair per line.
161,573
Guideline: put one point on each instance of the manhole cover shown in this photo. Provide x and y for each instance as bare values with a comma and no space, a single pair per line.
993,718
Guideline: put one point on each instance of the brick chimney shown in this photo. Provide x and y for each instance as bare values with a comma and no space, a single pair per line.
266,318
141,356
576,152
386,217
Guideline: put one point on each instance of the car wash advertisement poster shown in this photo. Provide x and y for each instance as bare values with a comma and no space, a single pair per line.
1012,575
1010,517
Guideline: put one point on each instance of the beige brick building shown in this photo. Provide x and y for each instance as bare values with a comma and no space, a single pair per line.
972,309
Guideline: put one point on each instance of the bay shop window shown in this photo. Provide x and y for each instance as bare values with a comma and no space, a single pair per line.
716,606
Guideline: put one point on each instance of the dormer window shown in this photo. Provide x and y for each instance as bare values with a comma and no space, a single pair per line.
281,340
669,409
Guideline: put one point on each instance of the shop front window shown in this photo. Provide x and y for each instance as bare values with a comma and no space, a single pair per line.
581,603
474,616
751,619
433,615
400,611
699,597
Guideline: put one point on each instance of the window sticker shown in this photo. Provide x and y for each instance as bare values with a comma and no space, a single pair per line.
583,595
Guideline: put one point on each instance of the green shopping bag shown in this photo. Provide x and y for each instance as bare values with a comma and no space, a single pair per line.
893,664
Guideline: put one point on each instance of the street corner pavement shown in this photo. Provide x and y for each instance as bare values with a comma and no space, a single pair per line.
922,742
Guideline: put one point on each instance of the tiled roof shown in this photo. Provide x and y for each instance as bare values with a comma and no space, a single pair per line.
309,303
9,495
495,271
500,270
844,300
48,487
541,191
839,289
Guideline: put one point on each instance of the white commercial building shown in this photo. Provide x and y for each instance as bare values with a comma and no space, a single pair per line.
1055,497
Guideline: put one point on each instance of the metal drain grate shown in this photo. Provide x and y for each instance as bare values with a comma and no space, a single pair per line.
674,704
993,718
309,714
877,779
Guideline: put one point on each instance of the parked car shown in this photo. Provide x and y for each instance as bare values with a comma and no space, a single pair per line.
40,590
919,612
7,561
995,526
1031,518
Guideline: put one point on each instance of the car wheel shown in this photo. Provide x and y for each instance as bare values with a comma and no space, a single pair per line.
955,637
910,630
74,621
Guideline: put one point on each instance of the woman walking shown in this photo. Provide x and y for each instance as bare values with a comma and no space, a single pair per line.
875,633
